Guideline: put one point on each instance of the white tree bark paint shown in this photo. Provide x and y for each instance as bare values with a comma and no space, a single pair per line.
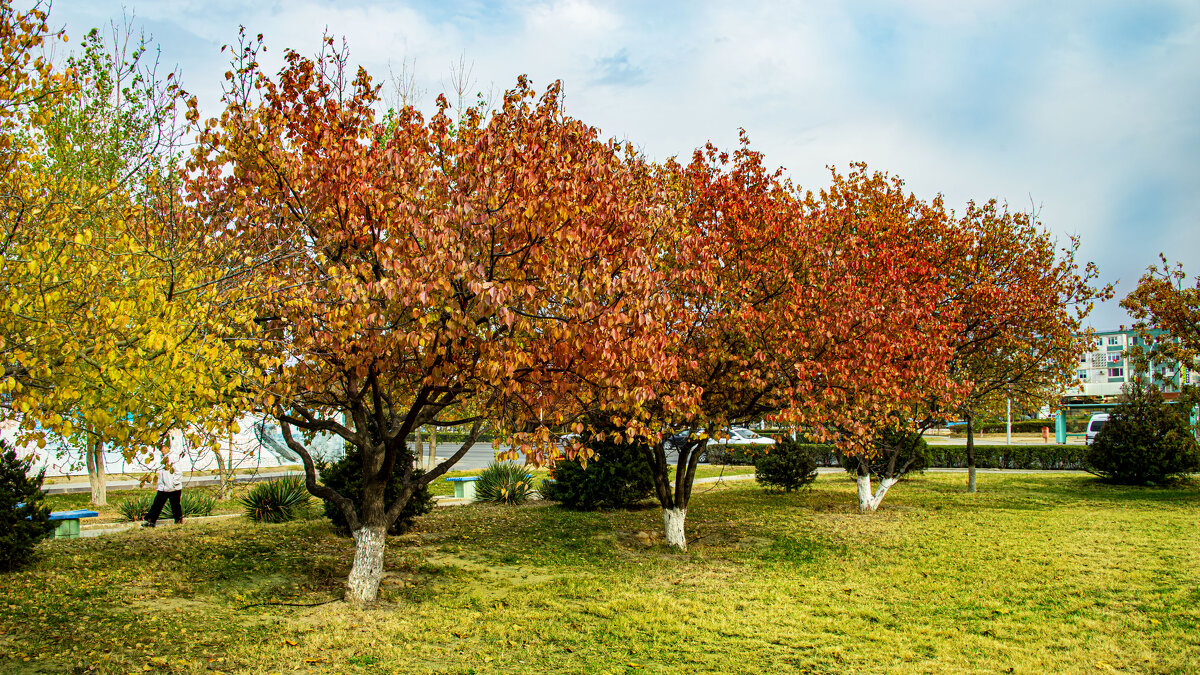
867,503
363,585
673,521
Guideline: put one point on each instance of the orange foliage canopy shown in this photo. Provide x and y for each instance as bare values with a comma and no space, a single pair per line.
407,270
822,316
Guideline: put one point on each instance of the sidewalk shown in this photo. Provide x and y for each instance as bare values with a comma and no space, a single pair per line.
188,481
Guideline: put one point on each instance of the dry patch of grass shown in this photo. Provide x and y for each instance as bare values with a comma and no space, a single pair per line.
1037,573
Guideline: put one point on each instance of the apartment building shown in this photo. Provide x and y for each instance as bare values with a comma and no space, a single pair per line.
1104,369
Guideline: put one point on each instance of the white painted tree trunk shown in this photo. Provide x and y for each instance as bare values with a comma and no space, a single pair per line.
867,503
673,521
363,585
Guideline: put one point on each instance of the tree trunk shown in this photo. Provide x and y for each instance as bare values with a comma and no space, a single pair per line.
868,503
433,447
420,450
95,468
363,585
673,520
221,470
970,454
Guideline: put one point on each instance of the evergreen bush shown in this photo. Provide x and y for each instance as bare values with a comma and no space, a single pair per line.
24,516
618,476
277,501
346,476
1144,441
504,483
786,466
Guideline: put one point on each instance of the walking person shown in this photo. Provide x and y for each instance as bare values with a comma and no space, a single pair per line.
170,481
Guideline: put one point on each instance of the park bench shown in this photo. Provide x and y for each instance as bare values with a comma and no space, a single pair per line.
68,522
464,487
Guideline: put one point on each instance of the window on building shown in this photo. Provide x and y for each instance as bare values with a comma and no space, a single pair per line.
1112,340
1116,372
1083,374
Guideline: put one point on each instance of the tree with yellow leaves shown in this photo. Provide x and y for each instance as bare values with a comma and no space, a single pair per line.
107,295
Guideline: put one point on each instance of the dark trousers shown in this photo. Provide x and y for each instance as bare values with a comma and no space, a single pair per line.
160,500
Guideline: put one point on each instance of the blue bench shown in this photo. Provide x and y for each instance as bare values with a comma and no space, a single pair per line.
464,486
68,522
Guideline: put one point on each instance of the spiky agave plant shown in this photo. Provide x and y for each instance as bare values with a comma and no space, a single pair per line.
277,501
504,483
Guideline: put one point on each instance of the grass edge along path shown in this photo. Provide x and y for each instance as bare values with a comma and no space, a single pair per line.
1036,573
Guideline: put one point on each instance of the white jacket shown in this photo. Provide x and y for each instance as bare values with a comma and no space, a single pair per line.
171,479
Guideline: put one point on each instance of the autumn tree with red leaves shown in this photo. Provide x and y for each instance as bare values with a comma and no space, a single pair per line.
775,310
1016,302
411,269
1163,300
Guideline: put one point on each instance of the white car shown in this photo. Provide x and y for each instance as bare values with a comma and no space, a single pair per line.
741,437
1095,425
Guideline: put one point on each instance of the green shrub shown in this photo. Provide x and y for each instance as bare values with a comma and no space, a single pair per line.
735,455
277,501
618,477
195,504
1074,426
1144,441
1039,456
1034,456
346,476
21,527
504,483
909,448
786,466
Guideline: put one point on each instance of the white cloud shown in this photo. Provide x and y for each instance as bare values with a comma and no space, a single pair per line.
1090,109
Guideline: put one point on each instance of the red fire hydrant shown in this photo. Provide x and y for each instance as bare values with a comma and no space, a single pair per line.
1045,434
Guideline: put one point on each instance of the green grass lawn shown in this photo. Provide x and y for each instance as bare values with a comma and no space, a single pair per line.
1036,573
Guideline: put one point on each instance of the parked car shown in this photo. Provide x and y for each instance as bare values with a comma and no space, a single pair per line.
741,436
672,444
736,437
1095,424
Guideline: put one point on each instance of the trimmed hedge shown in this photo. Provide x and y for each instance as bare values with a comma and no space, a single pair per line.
1074,426
1047,456
986,456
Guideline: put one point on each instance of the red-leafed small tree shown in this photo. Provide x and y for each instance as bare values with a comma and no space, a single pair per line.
1021,302
1163,300
1016,303
417,267
775,310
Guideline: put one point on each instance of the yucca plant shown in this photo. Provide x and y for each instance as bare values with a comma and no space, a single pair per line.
504,483
277,501
195,504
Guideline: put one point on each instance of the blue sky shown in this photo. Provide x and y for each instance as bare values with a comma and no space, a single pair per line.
1088,111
